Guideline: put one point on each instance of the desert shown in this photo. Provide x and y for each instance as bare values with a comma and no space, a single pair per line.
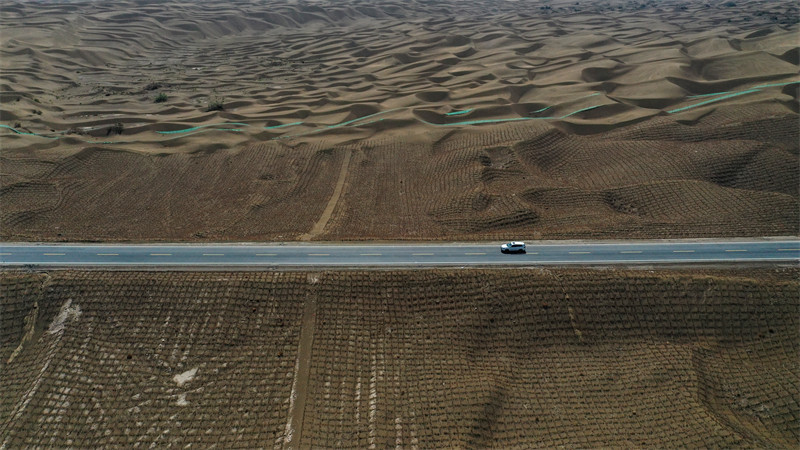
379,122
252,121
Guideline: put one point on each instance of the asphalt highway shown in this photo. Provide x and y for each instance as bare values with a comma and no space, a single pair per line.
393,255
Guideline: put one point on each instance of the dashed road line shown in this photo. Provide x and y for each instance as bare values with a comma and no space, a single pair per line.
475,253
5,254
213,254
54,254
736,250
789,249
370,254
580,253
266,254
108,254
683,251
319,254
631,251
422,254
160,254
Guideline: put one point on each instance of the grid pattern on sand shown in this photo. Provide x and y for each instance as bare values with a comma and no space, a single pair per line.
21,294
249,193
427,359
535,181
137,359
572,358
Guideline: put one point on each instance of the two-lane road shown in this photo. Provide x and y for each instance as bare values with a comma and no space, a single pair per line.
399,255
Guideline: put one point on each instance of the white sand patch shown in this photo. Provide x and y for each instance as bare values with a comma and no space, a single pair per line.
413,432
373,402
289,431
358,400
398,428
67,312
184,377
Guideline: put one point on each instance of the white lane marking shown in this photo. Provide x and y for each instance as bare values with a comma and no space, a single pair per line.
370,254
683,251
160,254
661,244
520,262
53,254
789,249
579,253
319,254
213,254
631,251
266,254
108,254
532,253
736,250
475,253
422,254
5,254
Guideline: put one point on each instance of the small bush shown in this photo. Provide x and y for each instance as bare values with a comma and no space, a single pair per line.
216,104
117,128
160,98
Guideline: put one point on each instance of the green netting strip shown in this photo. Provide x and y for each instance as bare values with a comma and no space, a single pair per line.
282,126
776,84
217,127
725,97
23,133
458,113
362,118
709,95
186,130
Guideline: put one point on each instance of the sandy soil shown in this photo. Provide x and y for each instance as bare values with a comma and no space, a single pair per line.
465,120
419,359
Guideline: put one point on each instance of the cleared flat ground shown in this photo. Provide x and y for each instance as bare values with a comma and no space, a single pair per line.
425,359
398,120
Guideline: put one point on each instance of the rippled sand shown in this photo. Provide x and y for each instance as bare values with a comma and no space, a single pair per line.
436,120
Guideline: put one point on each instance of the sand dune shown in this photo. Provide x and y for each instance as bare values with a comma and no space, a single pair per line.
86,71
79,85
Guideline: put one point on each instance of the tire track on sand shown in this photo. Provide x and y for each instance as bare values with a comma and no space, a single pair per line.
319,227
